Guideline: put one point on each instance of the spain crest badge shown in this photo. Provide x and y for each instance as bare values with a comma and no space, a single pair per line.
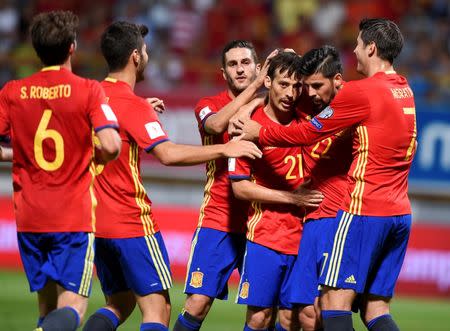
196,279
244,290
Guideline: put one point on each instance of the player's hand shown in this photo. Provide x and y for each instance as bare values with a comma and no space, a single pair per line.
264,69
242,148
304,197
243,114
157,104
247,129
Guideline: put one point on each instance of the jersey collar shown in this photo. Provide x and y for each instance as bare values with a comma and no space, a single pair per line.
51,68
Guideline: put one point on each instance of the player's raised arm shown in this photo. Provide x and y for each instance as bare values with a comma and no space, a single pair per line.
347,109
244,77
180,155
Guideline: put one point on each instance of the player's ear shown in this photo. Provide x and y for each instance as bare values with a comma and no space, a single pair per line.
73,47
371,49
258,68
267,82
224,75
337,80
136,57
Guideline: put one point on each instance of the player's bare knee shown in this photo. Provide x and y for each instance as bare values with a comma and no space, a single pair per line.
258,318
121,304
309,320
375,307
198,305
336,299
287,319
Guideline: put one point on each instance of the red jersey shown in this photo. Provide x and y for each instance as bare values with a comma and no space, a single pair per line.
382,112
50,116
327,175
220,210
277,226
124,209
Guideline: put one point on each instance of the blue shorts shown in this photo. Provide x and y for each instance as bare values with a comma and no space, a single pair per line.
64,257
214,256
140,264
310,261
367,253
265,279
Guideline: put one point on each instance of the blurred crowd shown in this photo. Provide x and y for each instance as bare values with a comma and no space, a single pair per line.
186,36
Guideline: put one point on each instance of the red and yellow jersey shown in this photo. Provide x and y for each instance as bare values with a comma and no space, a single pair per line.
124,209
50,116
220,210
381,112
325,173
276,226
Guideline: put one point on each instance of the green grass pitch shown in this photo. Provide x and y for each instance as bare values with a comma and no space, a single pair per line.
18,309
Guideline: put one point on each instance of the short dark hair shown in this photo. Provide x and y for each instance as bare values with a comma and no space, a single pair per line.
385,34
239,44
52,34
324,60
286,62
119,40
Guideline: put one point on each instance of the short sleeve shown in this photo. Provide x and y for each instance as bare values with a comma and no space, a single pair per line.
100,113
204,108
143,125
4,115
239,168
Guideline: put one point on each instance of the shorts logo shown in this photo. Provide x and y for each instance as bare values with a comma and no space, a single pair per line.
351,280
196,279
244,290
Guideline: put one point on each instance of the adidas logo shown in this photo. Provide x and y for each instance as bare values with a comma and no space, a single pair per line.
351,280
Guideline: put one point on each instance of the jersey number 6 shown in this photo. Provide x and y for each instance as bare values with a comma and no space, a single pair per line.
43,133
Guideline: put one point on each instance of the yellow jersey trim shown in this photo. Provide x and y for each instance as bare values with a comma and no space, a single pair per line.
360,170
210,173
147,223
51,68
111,80
253,222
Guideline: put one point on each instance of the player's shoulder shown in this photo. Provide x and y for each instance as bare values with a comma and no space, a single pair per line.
216,100
259,115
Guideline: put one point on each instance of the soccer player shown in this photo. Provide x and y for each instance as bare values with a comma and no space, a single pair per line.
274,221
372,233
131,259
50,117
326,164
218,243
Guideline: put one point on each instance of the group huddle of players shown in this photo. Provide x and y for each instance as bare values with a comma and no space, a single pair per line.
314,212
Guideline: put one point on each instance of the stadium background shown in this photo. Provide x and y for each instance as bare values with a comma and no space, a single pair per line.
185,41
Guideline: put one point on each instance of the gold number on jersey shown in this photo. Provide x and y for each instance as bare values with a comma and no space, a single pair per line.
328,141
43,133
412,144
296,163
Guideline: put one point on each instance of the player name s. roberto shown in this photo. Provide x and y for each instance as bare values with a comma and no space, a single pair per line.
46,92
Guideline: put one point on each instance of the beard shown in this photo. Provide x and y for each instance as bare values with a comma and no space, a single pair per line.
237,89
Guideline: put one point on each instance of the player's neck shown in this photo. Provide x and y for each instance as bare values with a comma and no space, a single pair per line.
279,117
67,65
124,76
379,66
